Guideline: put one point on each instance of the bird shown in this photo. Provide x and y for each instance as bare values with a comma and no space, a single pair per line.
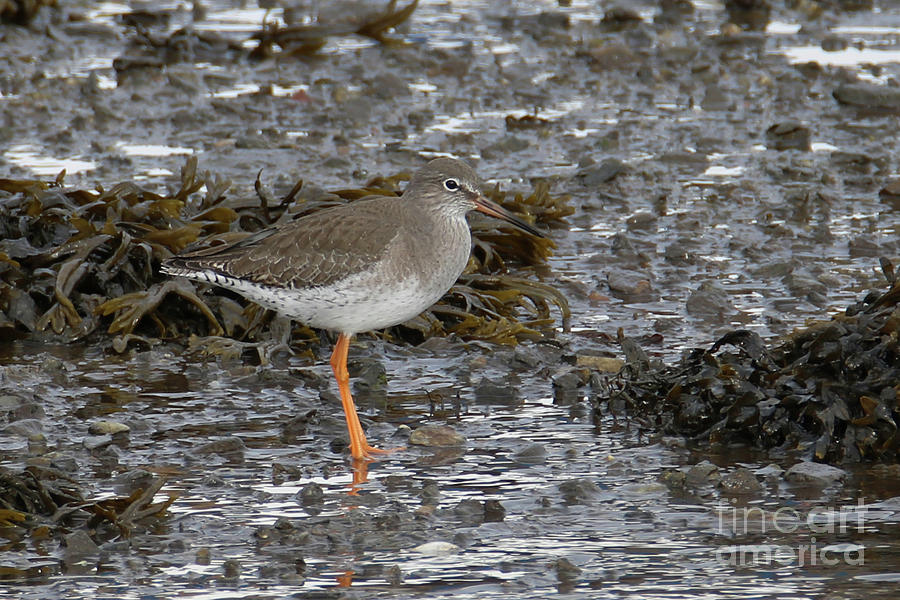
357,267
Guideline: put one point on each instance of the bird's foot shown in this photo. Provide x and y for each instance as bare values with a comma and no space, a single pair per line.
367,452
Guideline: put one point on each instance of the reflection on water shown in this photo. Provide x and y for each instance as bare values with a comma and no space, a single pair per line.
591,513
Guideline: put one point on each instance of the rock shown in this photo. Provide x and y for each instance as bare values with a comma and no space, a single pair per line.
436,435
108,428
702,472
631,286
575,491
505,147
604,364
769,471
394,576
311,493
565,569
715,99
491,392
740,481
607,57
131,481
789,135
494,512
224,446
709,301
24,427
231,569
471,511
80,546
868,95
673,479
814,473
531,454
92,442
566,384
437,549
606,171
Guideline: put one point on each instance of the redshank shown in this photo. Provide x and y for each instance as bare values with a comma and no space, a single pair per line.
357,267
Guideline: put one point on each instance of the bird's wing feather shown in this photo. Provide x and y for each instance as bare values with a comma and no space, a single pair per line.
312,251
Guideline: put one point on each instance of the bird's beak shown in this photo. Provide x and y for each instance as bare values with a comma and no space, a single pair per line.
493,209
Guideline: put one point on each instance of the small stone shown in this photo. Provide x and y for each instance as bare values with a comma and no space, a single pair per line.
471,511
673,479
437,549
108,428
492,392
394,576
740,481
229,445
531,454
24,427
79,546
565,569
436,436
565,387
92,442
702,472
814,473
769,471
789,135
604,364
494,512
231,569
311,493
709,301
597,174
868,95
578,490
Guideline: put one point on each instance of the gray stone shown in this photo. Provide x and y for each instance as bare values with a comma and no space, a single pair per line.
436,435
740,481
814,473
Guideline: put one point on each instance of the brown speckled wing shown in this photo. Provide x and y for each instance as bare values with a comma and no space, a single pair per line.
312,251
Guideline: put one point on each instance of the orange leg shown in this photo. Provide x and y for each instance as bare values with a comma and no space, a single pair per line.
359,447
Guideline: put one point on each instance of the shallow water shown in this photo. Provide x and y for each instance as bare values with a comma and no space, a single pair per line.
785,235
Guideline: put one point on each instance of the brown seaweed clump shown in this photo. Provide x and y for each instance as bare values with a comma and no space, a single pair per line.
42,507
830,391
76,262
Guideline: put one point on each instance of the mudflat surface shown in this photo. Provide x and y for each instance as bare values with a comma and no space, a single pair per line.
722,177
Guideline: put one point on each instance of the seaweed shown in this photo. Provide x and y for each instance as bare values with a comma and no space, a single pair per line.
76,263
830,391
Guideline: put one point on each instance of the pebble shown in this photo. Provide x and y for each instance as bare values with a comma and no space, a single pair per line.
702,472
92,442
603,364
311,493
597,174
229,445
578,490
108,428
24,427
437,549
531,454
740,481
492,392
436,435
494,512
789,135
869,95
814,473
79,546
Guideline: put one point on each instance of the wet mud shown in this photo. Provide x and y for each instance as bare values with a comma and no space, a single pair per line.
714,176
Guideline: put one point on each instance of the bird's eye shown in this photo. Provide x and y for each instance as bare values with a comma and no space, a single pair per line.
451,184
